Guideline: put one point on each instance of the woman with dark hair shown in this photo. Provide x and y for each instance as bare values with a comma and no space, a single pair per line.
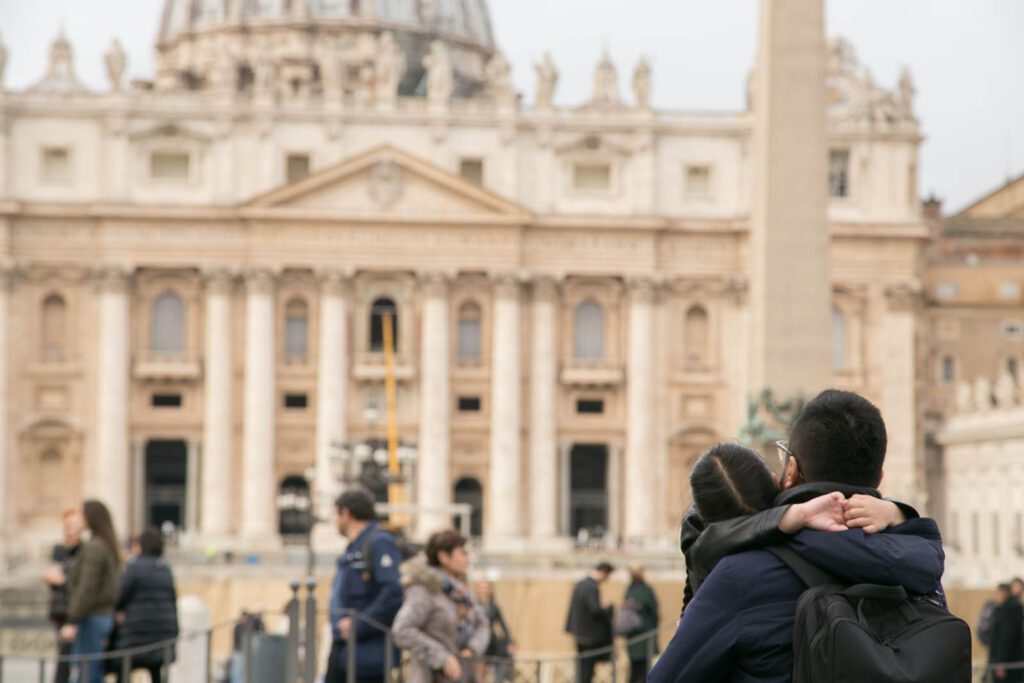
440,621
148,609
92,590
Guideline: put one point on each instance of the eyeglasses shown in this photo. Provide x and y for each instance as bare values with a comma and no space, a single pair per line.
782,448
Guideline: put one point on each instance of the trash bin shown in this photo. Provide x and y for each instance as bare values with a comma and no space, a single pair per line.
268,660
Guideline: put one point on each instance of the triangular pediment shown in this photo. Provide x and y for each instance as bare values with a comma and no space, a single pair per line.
1005,202
387,181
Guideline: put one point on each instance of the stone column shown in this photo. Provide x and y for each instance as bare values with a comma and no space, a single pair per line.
332,383
640,406
218,417
504,486
903,480
543,386
7,495
258,435
433,486
191,517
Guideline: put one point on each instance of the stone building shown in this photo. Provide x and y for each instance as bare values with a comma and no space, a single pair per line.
195,269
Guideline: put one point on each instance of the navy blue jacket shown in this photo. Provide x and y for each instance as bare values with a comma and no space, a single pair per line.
739,626
378,598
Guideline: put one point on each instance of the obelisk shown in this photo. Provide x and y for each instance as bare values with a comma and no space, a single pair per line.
790,291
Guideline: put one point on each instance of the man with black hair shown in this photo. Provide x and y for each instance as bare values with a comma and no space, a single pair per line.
367,582
739,625
1007,641
588,622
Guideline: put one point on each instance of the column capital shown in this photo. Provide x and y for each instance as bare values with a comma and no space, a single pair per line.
112,277
545,287
643,289
218,279
434,282
335,281
260,279
903,297
506,283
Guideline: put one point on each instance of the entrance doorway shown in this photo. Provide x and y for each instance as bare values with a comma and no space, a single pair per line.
166,483
588,490
468,490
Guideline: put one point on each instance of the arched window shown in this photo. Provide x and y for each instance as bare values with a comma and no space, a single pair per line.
168,332
296,330
469,331
695,337
380,308
838,340
468,490
51,471
54,328
588,331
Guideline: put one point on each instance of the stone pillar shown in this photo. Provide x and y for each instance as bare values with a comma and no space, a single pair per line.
640,406
790,287
332,384
191,517
433,486
544,468
7,495
218,484
112,368
903,478
259,435
504,521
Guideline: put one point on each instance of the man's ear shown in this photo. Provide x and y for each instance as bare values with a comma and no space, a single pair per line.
791,477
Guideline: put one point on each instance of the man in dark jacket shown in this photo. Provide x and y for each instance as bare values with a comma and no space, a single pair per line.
147,612
739,626
56,578
588,622
1007,646
640,597
367,582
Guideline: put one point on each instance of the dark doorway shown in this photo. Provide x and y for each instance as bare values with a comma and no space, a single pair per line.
588,489
166,482
378,310
294,507
468,490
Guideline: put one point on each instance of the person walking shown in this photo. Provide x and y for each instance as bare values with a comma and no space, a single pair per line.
440,623
1007,645
93,591
588,622
366,582
502,646
640,599
56,577
147,612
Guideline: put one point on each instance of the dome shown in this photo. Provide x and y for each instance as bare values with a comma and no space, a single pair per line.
467,21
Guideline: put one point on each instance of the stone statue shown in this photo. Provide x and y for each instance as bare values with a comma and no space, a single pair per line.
60,72
499,78
115,61
964,398
841,56
1006,391
263,77
982,395
3,63
907,92
440,79
547,80
330,70
642,84
606,84
390,68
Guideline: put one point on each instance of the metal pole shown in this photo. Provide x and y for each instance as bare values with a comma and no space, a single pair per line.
164,670
650,652
350,645
291,661
42,670
310,631
126,668
247,634
538,671
209,654
389,656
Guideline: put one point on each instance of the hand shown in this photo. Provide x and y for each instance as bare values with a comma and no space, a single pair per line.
53,576
512,648
467,653
452,668
824,513
68,632
345,627
119,618
1000,673
872,514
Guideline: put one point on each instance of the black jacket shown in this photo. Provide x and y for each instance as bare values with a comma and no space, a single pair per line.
501,637
65,557
150,605
588,622
1007,638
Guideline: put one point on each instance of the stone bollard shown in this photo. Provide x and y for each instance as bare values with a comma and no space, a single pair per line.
194,642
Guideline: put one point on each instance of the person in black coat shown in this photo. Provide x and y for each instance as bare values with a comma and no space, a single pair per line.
588,622
1007,638
56,578
148,609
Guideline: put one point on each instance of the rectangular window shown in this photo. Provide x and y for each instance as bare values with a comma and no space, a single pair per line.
1010,290
469,339
590,406
592,177
56,164
947,290
469,404
839,173
698,182
169,166
1012,329
166,400
955,529
948,369
995,534
296,167
1018,532
975,534
472,170
296,401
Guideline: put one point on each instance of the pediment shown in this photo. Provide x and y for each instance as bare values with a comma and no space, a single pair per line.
389,182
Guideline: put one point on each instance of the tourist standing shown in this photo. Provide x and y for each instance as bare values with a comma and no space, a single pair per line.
92,591
1007,637
640,598
440,623
589,623
56,577
148,608
502,646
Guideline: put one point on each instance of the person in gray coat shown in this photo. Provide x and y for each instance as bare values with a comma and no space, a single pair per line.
440,623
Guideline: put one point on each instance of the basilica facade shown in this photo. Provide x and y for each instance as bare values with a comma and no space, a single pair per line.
197,268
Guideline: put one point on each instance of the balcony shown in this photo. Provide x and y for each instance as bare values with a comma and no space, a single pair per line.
163,367
369,367
581,373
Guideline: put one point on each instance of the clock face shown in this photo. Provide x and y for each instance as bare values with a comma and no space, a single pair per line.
839,94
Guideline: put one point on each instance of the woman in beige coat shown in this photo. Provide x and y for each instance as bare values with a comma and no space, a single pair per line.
440,620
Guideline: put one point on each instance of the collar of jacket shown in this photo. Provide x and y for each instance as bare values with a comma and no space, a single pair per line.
356,544
805,492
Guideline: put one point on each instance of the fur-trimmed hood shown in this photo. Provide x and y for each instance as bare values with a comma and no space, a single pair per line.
416,572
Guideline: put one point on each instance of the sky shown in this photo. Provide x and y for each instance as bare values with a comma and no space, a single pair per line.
963,55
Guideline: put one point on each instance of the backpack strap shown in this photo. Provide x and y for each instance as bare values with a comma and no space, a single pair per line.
811,574
367,551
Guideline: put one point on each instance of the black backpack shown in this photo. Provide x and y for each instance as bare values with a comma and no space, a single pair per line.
867,633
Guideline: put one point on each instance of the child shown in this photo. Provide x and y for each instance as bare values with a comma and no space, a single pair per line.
733,491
